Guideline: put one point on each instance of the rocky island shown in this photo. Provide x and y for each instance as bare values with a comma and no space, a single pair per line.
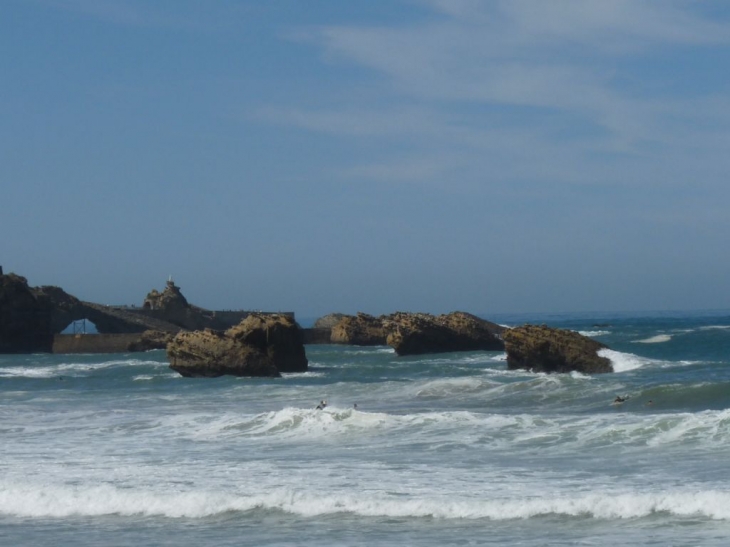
32,318
545,349
417,333
261,345
203,343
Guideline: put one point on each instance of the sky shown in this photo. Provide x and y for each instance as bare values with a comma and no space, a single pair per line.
371,155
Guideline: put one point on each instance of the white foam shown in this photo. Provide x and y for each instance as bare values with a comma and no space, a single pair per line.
594,332
70,369
714,327
449,387
370,350
36,501
309,425
308,374
658,339
623,362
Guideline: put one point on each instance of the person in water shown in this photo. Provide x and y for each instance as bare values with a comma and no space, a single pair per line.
321,405
619,399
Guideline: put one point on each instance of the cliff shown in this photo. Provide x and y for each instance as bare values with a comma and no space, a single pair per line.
25,317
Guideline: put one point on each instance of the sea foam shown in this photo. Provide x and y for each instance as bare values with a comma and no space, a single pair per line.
658,339
623,362
35,501
590,333
71,369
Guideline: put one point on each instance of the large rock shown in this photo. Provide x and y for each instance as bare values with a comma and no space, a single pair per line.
277,335
329,321
545,349
25,317
261,345
151,339
171,306
419,333
210,353
360,330
170,300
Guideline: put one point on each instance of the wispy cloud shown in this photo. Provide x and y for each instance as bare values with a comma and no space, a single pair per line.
530,89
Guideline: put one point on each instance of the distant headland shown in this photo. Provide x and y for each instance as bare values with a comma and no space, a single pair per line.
207,343
33,318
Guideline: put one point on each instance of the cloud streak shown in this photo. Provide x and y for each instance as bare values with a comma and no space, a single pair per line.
558,80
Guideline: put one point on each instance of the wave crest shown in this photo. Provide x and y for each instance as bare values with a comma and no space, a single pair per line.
64,501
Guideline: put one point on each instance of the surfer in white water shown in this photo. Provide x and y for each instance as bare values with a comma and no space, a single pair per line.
322,404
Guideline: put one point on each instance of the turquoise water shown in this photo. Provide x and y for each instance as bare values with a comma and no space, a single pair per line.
448,449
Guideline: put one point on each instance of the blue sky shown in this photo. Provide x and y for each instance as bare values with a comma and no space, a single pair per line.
319,156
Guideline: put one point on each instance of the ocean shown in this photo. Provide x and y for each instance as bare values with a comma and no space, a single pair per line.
445,449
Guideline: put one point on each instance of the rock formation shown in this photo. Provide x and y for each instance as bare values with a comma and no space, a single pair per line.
25,317
210,353
276,334
545,349
360,330
261,345
329,321
151,339
170,300
419,333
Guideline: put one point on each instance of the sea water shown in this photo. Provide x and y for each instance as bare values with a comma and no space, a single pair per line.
447,449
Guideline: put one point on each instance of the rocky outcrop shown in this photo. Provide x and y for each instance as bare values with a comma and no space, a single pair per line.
171,306
151,339
360,330
419,333
210,353
545,349
277,335
329,321
261,345
31,316
321,331
170,299
25,317
65,307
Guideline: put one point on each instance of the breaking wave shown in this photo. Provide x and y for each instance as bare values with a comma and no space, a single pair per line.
623,362
31,501
591,333
658,339
71,369
637,428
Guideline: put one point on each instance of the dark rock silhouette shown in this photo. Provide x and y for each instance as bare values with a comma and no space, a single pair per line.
546,349
360,330
151,339
25,317
261,345
329,321
418,333
414,334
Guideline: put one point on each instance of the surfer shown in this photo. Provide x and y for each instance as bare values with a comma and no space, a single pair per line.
321,405
618,400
